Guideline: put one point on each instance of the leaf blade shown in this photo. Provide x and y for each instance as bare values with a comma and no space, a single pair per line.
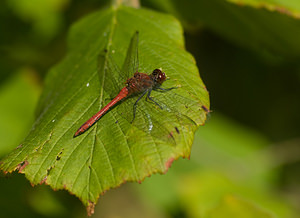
111,152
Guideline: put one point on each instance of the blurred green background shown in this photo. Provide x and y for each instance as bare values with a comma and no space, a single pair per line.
245,161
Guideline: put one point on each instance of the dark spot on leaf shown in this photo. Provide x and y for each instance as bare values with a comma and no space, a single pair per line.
90,167
205,108
171,135
22,166
58,157
49,169
177,130
117,121
186,106
90,208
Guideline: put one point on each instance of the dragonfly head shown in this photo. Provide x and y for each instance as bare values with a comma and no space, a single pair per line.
159,76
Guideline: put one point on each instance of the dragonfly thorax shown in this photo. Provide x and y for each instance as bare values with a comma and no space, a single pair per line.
139,83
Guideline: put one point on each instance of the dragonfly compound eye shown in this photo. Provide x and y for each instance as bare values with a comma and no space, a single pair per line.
156,72
162,76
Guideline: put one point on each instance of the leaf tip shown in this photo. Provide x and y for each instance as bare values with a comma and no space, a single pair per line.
90,208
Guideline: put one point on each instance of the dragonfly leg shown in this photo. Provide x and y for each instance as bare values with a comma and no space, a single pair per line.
135,105
151,99
165,90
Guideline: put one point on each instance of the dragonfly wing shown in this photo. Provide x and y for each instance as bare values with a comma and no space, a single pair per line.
149,119
173,121
168,124
158,125
109,74
131,63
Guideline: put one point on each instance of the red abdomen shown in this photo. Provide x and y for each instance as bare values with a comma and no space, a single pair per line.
122,94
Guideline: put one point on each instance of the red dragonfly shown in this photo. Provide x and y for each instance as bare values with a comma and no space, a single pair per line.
140,83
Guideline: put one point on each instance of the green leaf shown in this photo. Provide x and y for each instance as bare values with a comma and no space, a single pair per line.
291,7
260,30
113,151
237,207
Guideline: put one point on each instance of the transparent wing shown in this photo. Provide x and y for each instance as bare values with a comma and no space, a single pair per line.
112,78
131,63
172,121
109,73
168,124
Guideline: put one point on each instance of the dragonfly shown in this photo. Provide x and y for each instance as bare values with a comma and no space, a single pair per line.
140,84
